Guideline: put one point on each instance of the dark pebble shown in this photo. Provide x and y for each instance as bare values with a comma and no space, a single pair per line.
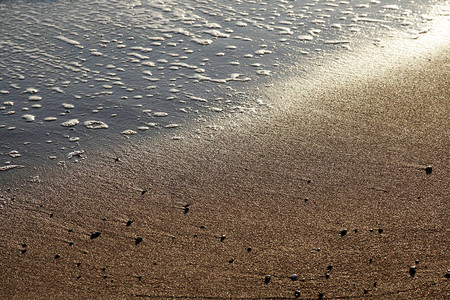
129,222
374,284
343,232
327,276
267,279
104,219
143,192
365,291
95,234
296,293
303,279
57,256
222,238
186,209
306,199
116,159
78,264
356,230
139,278
70,230
24,245
380,231
249,249
294,277
330,267
416,261
231,261
202,227
320,296
412,271
428,170
51,215
24,251
447,275
79,276
138,240
370,261
71,243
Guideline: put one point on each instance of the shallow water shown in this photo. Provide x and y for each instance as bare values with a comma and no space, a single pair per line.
77,73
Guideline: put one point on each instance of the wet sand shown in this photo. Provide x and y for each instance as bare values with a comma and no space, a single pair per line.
331,185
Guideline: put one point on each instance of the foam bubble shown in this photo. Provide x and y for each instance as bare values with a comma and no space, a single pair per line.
28,117
92,124
70,123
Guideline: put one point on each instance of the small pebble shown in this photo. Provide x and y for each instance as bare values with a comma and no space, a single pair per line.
186,208
231,261
412,271
143,192
428,170
129,222
380,231
416,261
365,291
329,267
249,249
57,256
95,235
222,238
294,277
24,245
24,251
447,275
343,232
296,293
327,276
267,279
320,296
138,240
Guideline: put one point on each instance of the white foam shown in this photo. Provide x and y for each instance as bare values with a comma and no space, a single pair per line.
28,117
92,124
70,123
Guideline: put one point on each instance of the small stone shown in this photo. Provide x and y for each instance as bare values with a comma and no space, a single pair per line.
24,251
365,291
320,296
70,243
231,261
267,279
249,249
95,234
330,267
380,231
138,240
186,208
57,256
24,245
143,192
294,277
202,227
375,284
343,232
428,170
222,238
78,264
129,222
303,279
412,271
296,293
327,276
139,278
416,261
447,275
370,260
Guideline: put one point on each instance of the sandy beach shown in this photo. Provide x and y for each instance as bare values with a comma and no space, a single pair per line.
330,186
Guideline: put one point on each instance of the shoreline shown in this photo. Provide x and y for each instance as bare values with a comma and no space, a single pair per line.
286,185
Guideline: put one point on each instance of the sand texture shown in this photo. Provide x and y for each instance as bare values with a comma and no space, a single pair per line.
331,185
